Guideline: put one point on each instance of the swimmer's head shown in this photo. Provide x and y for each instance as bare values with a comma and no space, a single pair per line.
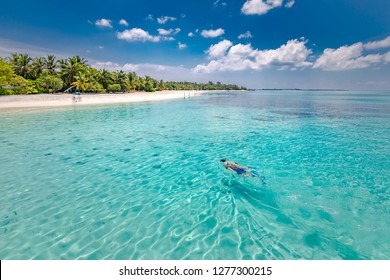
223,160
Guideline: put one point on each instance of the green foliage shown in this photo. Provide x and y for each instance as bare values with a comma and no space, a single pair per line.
21,63
4,91
37,86
45,74
50,64
50,82
114,87
22,85
96,87
71,68
6,72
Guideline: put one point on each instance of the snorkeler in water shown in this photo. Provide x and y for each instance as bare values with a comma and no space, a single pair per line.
234,166
243,170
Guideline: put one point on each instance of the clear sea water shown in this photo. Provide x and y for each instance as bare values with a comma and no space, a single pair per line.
144,181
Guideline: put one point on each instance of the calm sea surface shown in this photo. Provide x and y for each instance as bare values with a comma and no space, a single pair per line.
144,181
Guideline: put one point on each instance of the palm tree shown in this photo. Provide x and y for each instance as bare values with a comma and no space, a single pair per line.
21,64
132,77
50,64
82,82
37,67
13,60
149,84
69,69
141,84
105,78
80,60
122,80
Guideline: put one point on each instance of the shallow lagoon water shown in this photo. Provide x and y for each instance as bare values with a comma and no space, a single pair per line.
144,181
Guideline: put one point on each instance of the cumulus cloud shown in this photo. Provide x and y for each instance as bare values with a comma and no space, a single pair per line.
385,43
245,35
103,23
138,34
219,49
212,33
228,57
163,20
123,22
168,32
261,7
347,58
290,4
182,46
190,34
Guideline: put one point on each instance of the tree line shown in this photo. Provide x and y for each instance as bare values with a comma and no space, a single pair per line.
22,74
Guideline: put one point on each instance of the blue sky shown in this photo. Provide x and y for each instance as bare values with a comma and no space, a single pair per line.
256,43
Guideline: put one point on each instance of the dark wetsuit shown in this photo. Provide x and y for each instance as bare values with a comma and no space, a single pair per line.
240,171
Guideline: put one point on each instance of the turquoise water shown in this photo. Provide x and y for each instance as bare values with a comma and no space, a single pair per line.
144,181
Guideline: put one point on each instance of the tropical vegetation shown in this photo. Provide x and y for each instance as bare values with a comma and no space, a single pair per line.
22,74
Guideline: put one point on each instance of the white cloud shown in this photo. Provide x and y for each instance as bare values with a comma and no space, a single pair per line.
261,7
385,43
219,49
150,17
212,33
123,22
182,46
229,57
100,47
168,32
346,58
191,34
290,4
245,35
103,23
219,3
137,34
386,57
163,20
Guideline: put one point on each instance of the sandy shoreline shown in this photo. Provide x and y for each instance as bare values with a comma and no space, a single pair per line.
60,100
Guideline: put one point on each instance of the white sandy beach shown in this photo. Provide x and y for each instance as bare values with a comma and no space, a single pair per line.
58,100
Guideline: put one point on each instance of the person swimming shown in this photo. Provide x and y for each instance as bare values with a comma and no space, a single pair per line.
234,166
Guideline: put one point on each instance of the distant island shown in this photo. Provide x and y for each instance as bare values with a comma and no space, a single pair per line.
22,74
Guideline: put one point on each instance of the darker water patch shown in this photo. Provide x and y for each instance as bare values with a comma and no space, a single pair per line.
126,149
65,158
90,155
325,216
48,154
312,240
